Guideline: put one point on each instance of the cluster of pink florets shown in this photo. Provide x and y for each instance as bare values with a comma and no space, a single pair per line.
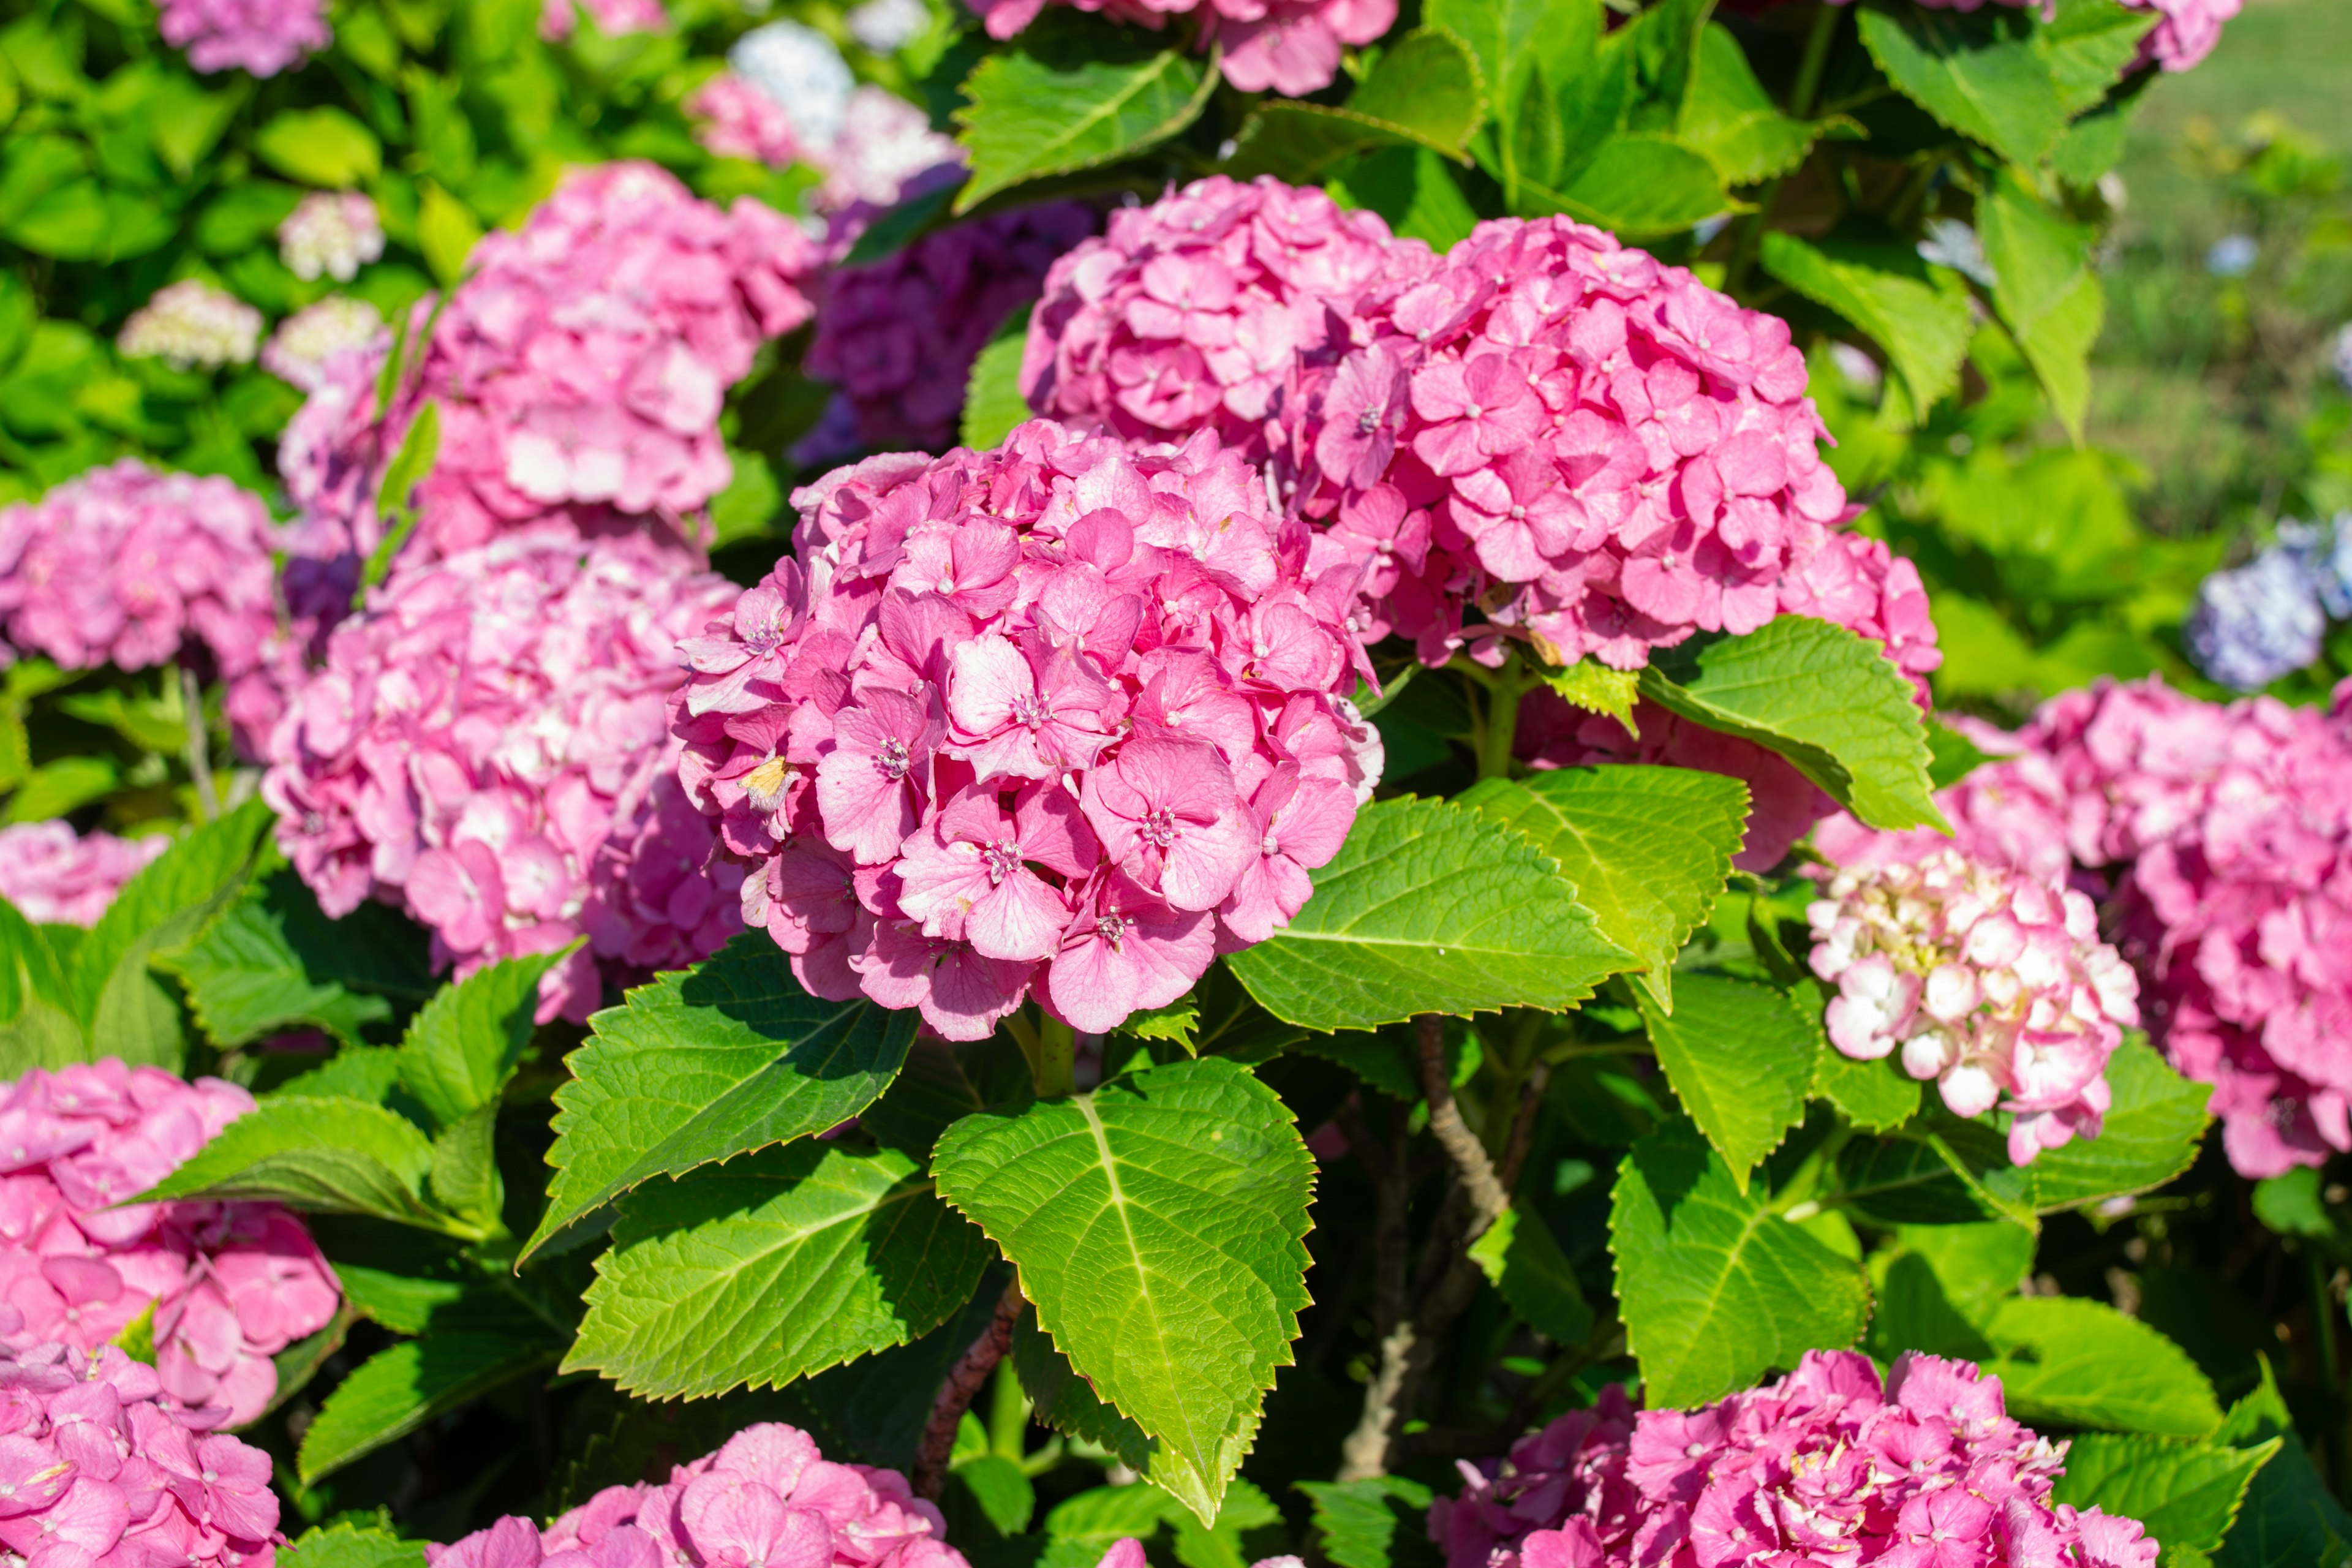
486,747
1289,46
1991,983
260,37
899,337
768,1497
1825,1465
126,566
580,369
54,875
1064,714
231,1284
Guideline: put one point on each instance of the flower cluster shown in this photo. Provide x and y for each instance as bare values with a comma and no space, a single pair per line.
1289,46
789,96
231,1284
260,37
1825,1465
735,120
613,18
1064,715
192,325
579,369
126,566
298,351
766,1497
2255,623
331,234
1991,983
899,337
482,747
885,27
1190,314
56,875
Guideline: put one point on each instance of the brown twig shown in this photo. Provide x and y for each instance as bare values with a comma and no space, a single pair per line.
956,1395
1471,1166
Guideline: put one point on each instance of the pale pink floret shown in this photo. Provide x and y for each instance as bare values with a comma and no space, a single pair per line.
231,1285
260,37
735,120
1290,47
1056,719
53,874
485,746
1826,1465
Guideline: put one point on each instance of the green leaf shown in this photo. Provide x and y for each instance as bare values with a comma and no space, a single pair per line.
1740,1059
446,232
2148,1136
992,404
1919,314
727,1057
1429,908
1071,97
466,1042
334,1156
322,146
1876,1097
1981,75
2289,1518
2045,290
349,1546
1381,1523
2077,1362
772,1268
1425,91
274,961
1067,1403
2089,44
1176,1023
401,1388
1520,1253
409,468
1648,848
465,1173
1219,1543
1002,1489
1594,687
1714,1288
1641,184
404,1303
2187,1494
65,785
1729,119
184,123
942,1084
2291,1204
1828,701
1157,1222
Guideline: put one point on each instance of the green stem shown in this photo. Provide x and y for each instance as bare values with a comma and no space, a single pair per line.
1502,724
1056,1066
1816,60
1008,1414
199,743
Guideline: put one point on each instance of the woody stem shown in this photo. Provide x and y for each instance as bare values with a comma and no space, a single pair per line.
1502,725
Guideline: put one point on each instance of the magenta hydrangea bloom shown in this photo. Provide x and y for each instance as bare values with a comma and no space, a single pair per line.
1189,314
231,1284
768,1497
484,748
1827,1464
1061,716
580,368
127,567
54,875
1991,983
1291,47
260,37
899,337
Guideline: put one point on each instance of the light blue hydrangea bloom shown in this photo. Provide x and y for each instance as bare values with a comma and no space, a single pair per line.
2258,622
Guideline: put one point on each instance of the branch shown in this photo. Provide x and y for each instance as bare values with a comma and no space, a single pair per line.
1471,1166
956,1395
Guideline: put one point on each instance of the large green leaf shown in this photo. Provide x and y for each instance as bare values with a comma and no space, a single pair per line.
2187,1494
1158,1224
1521,1256
1072,96
2078,1362
772,1267
1638,185
1380,1523
37,1024
1430,907
713,1062
334,1156
1919,314
2090,44
2289,1518
2045,290
1648,848
1828,701
1984,76
992,404
1067,1403
1728,118
1876,1097
1740,1059
274,961
466,1042
322,146
347,1545
1425,93
400,1388
1714,1288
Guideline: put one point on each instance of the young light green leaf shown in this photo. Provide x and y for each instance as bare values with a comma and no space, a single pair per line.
2149,1134
419,449
1176,1023
400,1388
1219,1543
1731,120
1072,98
771,1267
1828,701
1714,1288
992,404
1981,75
1382,1522
1157,1224
321,146
369,1073
1638,183
465,1043
274,961
1520,1253
1648,848
1740,1059
347,1545
1919,314
334,1156
1430,907
2045,290
1876,1097
2187,1494
446,232
1594,687
2080,1363
696,1067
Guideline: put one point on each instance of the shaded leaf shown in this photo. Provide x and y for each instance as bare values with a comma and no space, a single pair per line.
400,1388
1919,314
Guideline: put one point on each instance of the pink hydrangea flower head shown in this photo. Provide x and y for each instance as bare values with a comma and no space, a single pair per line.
613,18
768,1498
1062,717
231,1285
484,747
1290,47
53,874
1826,1465
1989,982
260,37
579,369
899,337
1190,314
331,234
735,120
298,351
885,150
